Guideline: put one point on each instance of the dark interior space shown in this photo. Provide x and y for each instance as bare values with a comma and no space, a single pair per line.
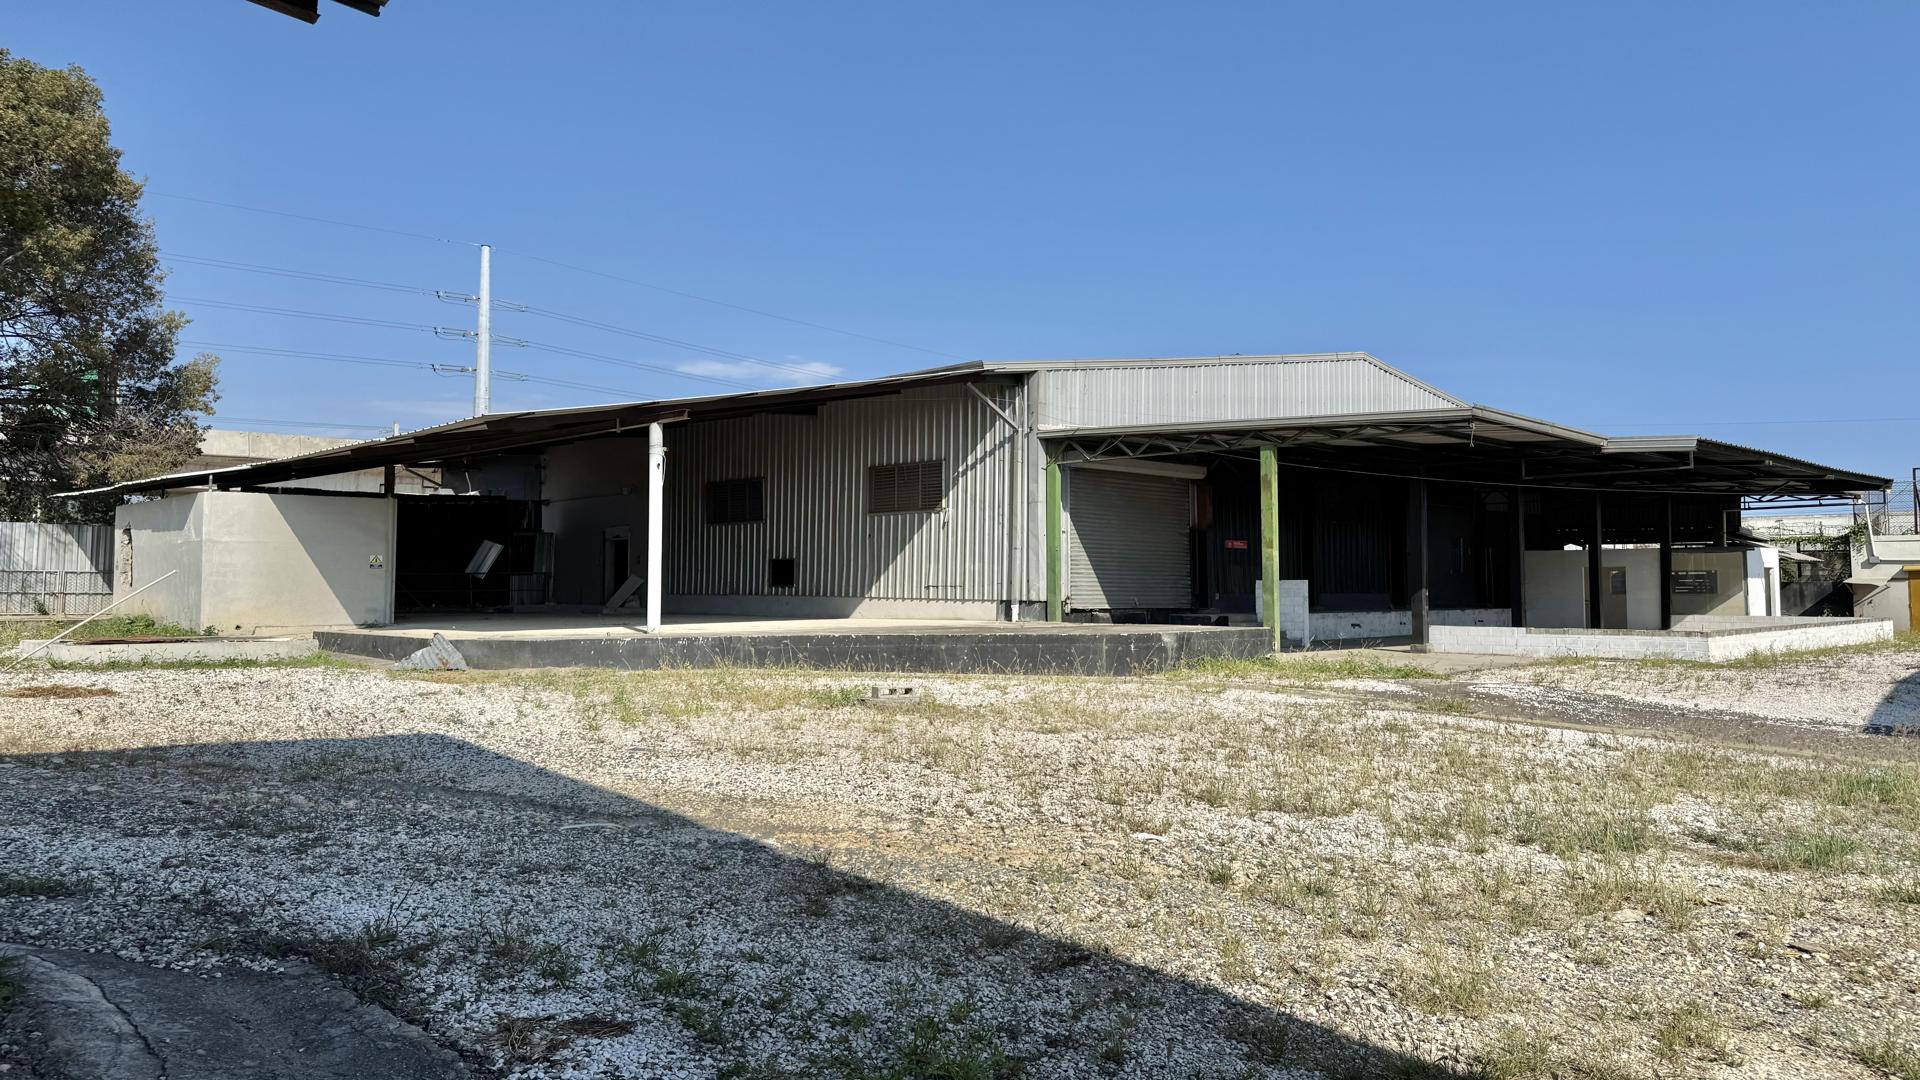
437,538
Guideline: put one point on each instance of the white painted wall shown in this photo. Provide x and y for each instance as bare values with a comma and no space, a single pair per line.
1762,594
151,538
251,563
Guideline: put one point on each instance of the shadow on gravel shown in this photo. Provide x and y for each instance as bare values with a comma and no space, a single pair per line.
716,945
1899,712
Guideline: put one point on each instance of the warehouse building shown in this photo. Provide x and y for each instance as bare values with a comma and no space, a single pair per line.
1327,497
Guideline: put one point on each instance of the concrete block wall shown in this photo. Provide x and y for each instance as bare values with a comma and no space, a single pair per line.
1360,625
1708,645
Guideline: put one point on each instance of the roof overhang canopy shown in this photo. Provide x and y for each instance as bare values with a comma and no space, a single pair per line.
501,433
1480,445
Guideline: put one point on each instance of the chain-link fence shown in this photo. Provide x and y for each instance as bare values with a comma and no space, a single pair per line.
1891,513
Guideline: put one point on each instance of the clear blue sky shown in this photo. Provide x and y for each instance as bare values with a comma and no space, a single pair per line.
1634,217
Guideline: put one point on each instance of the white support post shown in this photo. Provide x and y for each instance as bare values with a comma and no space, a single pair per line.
483,338
656,508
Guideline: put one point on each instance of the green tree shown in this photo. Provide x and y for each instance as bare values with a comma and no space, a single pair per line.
89,390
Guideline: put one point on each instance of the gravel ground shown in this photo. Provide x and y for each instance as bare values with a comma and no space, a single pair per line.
733,874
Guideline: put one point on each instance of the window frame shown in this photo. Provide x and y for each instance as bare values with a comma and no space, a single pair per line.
885,483
716,500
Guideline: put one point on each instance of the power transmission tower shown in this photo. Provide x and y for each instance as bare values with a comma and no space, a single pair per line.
482,333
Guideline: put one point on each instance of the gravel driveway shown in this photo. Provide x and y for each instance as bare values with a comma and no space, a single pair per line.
733,874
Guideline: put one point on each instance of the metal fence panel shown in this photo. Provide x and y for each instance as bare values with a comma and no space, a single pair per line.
55,569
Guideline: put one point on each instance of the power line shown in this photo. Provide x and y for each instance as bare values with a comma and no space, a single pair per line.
304,275
382,361
557,350
637,365
576,268
659,339
310,217
726,304
1751,423
295,313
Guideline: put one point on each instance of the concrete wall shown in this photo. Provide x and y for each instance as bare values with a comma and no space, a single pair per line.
1713,640
150,539
1557,585
250,563
1730,568
1368,625
294,561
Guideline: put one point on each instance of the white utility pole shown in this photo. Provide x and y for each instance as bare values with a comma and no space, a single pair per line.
483,338
656,511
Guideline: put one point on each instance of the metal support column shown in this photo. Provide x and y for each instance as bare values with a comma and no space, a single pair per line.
656,510
1270,542
1666,563
1517,573
1417,585
1056,588
1594,584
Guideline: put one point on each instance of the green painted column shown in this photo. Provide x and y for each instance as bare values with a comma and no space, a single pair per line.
1056,589
1270,541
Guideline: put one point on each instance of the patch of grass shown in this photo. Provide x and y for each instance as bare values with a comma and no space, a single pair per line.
1302,667
1568,832
1813,851
836,697
1614,885
314,660
1889,1055
511,947
939,1048
1900,892
1266,1040
373,963
1523,1054
1445,985
1689,1029
43,887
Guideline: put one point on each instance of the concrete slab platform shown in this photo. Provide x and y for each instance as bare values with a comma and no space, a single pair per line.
190,650
525,641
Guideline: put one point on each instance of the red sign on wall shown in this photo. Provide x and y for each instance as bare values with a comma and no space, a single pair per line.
1236,545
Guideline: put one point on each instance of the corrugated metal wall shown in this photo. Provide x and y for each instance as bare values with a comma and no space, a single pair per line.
55,569
815,467
1226,389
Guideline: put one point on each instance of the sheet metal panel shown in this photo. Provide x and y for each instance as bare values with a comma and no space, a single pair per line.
55,569
1128,540
815,468
1199,391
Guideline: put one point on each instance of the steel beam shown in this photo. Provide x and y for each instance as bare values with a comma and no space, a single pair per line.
1056,588
1270,541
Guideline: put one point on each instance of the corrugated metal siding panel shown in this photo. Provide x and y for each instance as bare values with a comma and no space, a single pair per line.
816,470
1128,540
1176,392
65,569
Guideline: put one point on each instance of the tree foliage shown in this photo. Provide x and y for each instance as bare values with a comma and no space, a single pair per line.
89,390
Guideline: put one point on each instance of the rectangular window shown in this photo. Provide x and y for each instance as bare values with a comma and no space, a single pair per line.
733,502
909,486
780,574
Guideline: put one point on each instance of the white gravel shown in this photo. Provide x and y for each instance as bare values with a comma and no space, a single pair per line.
740,875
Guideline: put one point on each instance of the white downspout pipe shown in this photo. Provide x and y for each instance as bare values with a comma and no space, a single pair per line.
656,507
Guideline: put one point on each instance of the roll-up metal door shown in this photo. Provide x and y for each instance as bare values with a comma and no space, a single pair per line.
1128,545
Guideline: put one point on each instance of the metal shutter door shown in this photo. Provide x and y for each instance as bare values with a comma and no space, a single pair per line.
1128,545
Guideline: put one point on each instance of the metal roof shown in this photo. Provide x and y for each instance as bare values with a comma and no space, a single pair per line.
1479,444
1469,442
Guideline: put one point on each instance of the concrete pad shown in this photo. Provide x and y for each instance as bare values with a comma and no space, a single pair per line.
213,649
103,1018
